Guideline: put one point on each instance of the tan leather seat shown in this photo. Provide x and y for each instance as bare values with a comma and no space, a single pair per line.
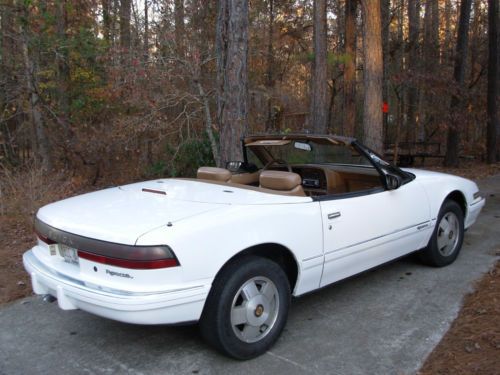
213,174
245,178
288,183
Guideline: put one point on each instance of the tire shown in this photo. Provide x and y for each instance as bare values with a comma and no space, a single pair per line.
447,238
247,307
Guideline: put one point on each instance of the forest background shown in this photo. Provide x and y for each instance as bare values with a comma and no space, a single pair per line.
101,92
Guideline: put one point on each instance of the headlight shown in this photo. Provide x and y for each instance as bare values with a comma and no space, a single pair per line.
477,195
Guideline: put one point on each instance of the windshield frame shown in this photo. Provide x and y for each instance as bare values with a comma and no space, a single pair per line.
382,166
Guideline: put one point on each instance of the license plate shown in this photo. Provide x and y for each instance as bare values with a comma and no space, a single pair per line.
69,254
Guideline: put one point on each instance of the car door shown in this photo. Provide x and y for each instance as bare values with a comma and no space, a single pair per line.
368,229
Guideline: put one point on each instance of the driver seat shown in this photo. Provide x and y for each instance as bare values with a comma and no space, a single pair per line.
287,183
213,174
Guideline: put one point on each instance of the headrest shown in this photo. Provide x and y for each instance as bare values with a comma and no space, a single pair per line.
278,180
214,174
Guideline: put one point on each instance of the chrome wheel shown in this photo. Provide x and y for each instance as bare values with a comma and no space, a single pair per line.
254,309
448,234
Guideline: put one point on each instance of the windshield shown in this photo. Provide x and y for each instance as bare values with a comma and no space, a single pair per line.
310,152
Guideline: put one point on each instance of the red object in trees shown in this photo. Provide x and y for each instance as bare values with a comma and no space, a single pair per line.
385,107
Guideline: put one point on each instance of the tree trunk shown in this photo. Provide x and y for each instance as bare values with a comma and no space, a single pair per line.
448,33
232,77
413,57
63,70
146,31
319,79
106,20
41,142
125,9
453,138
431,33
270,123
385,12
8,55
350,69
7,37
493,131
373,72
208,123
431,62
401,90
179,28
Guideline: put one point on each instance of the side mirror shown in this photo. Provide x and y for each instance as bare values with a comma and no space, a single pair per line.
392,181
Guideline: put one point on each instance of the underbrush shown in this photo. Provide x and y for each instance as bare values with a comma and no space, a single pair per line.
25,189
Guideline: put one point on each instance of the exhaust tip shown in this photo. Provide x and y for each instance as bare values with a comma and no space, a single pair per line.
48,298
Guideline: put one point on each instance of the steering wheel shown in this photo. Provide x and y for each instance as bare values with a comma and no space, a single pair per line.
277,161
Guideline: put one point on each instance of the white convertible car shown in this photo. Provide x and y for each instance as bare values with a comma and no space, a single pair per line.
230,248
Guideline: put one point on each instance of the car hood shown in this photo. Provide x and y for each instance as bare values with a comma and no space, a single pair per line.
123,214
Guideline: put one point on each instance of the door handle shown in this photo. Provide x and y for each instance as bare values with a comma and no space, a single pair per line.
333,215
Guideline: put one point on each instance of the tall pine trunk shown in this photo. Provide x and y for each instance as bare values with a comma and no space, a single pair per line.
385,11
453,137
319,80
413,58
270,123
431,63
179,28
373,73
493,131
106,20
63,71
146,31
125,9
232,77
349,124
41,141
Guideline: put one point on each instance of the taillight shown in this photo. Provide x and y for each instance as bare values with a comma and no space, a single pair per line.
43,238
115,254
129,263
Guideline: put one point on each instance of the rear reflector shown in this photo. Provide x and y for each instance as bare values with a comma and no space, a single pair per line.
127,263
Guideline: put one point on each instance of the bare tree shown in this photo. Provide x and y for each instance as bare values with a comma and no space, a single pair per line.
386,16
106,20
41,141
373,72
430,54
453,138
431,33
232,77
319,80
179,27
350,68
413,54
63,68
146,30
125,9
493,131
270,67
448,33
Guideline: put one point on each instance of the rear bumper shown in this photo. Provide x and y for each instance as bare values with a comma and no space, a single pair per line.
473,212
166,307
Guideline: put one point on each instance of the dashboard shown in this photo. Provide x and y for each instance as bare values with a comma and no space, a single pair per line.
335,180
314,180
